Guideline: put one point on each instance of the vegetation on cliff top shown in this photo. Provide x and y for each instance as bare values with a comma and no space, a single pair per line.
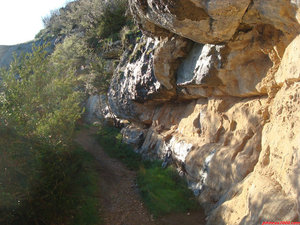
96,19
83,30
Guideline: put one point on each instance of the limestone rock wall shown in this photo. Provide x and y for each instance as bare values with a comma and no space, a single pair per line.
97,110
217,83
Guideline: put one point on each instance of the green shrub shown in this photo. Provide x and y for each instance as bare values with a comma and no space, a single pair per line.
97,19
73,53
130,36
75,56
39,99
99,77
16,165
42,185
113,19
85,29
44,178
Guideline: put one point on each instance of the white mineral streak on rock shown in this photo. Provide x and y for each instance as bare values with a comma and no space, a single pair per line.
197,187
180,149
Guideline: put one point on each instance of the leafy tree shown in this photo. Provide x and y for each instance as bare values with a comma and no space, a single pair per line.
72,53
44,178
90,68
39,99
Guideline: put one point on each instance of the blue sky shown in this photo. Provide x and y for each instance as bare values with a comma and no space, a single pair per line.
21,20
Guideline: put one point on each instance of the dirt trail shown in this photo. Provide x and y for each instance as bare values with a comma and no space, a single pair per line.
118,195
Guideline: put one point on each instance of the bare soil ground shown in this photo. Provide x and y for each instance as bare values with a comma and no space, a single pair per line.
118,194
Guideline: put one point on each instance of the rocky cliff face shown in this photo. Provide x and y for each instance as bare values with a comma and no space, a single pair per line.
217,83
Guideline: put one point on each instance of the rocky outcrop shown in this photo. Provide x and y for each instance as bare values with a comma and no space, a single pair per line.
146,74
217,83
236,68
133,135
215,21
97,110
281,14
203,22
226,126
289,70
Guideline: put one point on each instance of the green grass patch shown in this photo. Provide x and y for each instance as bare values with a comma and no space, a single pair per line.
162,190
110,139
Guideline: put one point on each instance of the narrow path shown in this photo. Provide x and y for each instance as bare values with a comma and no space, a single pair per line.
119,198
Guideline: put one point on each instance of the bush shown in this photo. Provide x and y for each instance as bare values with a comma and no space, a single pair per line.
85,29
99,76
73,53
113,19
44,178
43,185
39,99
75,56
97,19
130,37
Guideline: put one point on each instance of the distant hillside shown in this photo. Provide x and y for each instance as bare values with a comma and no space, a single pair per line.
7,51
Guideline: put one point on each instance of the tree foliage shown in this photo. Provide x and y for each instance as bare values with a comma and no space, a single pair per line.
39,99
44,178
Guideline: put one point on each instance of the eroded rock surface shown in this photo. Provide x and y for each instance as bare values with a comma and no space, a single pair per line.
146,74
217,83
200,21
271,192
289,70
97,110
